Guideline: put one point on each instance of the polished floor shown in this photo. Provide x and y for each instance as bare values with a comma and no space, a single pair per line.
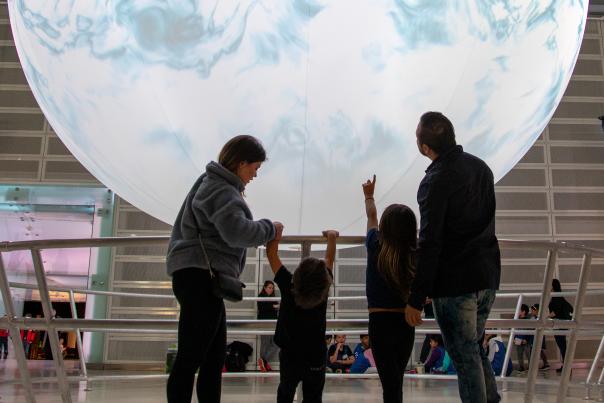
252,390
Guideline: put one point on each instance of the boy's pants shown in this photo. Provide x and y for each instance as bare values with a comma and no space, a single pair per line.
292,372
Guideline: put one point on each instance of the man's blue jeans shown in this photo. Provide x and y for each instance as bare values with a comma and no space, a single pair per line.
461,320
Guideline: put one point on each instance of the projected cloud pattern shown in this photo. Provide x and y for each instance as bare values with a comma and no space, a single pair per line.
145,93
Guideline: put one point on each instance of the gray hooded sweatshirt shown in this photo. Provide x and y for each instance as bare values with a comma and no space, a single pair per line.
216,209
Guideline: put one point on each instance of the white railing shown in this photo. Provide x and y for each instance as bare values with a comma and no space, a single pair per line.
543,325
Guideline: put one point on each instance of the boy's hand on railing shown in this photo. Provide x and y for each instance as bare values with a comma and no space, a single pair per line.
369,188
330,252
330,233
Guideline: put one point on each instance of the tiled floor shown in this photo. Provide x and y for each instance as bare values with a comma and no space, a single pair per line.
252,390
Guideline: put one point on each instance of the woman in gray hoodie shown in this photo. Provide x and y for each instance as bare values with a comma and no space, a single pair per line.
215,210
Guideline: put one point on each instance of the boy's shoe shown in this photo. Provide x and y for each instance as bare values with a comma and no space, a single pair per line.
544,368
559,370
267,366
261,366
521,370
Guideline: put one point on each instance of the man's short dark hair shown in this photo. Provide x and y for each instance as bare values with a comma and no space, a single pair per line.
311,283
436,131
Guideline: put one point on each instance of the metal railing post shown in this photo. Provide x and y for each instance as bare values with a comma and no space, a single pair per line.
572,343
600,384
15,334
538,342
306,248
592,369
74,315
511,341
51,333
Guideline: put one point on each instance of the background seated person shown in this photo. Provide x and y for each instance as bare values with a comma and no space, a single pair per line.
448,367
361,362
340,355
496,353
437,353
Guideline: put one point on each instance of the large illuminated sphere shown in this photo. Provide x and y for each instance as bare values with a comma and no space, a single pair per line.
145,93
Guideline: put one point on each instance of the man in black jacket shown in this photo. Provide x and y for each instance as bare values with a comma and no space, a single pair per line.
458,262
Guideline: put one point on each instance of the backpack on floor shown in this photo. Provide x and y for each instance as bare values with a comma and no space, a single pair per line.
237,355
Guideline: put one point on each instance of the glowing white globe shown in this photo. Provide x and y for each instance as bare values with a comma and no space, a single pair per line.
145,93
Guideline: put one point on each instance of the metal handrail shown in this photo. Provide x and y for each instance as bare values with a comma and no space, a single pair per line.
542,325
10,246
269,299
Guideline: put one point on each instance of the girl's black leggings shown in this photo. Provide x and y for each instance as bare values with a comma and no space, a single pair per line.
391,342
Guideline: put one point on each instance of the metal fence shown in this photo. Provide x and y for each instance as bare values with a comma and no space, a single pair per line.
543,325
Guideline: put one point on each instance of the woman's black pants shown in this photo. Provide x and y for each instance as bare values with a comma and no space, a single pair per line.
391,341
201,339
561,342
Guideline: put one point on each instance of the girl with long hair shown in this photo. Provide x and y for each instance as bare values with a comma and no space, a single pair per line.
391,246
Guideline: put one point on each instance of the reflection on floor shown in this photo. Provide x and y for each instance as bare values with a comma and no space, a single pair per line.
253,390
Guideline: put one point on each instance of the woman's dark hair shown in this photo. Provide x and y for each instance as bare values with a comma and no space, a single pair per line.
243,148
436,131
398,242
524,308
263,293
311,283
556,285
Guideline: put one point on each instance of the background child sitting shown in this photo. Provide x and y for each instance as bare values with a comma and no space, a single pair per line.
496,354
340,355
437,353
361,361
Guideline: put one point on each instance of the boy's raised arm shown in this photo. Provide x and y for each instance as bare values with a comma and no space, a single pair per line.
330,252
272,249
370,209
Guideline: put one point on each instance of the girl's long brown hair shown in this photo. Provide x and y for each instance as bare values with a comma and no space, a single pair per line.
398,243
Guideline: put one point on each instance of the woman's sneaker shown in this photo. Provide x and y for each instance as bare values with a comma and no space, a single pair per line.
544,368
261,365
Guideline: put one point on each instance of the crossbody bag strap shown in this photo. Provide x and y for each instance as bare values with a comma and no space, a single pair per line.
203,248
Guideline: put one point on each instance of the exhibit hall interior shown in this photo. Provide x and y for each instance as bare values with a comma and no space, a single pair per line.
116,117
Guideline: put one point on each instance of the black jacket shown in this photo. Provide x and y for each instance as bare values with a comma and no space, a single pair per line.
458,251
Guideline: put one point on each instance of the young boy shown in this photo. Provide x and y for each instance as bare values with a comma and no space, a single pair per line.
361,363
340,355
300,331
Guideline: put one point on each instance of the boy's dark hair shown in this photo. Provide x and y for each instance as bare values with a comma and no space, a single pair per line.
311,283
437,338
363,335
556,285
243,148
397,245
436,131
524,308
